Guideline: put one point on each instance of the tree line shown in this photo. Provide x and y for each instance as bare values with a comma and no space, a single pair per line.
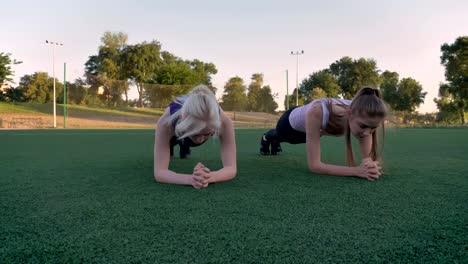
346,76
159,76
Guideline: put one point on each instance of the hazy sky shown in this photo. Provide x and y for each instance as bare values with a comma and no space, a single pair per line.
243,37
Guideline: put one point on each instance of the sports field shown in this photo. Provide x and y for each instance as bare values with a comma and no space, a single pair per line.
71,196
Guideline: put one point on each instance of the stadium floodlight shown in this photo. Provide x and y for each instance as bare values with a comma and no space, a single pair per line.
53,44
297,53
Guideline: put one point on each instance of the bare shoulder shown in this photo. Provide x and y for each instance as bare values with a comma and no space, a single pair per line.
225,120
162,124
339,109
163,118
315,112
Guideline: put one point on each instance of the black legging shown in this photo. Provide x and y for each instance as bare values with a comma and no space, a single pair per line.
184,145
284,131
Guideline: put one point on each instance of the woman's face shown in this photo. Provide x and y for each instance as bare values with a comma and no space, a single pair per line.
203,135
362,126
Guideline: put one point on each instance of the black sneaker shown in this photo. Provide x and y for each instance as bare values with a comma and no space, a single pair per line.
264,146
275,148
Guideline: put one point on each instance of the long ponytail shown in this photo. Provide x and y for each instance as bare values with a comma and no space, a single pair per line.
369,102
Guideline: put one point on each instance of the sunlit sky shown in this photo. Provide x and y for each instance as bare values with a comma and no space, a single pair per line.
242,37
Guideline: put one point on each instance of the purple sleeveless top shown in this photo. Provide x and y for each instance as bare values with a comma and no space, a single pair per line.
175,106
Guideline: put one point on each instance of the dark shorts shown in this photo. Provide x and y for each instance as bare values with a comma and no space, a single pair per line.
286,133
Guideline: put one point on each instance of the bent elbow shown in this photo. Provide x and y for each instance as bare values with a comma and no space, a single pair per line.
315,168
234,173
157,176
230,173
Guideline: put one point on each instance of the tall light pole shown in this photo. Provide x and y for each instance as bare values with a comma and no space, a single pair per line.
297,53
53,76
287,92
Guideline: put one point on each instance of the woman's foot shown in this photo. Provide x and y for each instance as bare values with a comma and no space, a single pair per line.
275,148
264,146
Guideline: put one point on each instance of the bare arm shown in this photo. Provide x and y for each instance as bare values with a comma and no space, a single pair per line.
313,126
365,144
228,152
162,155
368,170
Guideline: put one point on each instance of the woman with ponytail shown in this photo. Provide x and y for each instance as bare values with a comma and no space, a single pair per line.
190,121
334,117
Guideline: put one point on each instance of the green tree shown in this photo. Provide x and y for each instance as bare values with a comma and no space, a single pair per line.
168,57
267,100
38,88
5,67
322,79
448,108
234,97
204,71
175,77
14,95
176,73
410,95
77,91
108,65
110,53
95,85
455,60
142,62
92,64
292,99
316,93
402,95
355,74
254,92
174,70
389,88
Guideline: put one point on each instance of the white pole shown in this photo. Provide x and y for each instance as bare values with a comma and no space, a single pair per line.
287,92
53,76
297,82
297,53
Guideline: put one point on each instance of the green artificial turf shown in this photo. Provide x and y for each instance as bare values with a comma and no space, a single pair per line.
72,196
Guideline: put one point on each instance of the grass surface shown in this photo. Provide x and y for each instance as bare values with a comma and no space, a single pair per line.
89,196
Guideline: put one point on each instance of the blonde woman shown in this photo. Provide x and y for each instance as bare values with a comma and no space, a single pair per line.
334,117
190,121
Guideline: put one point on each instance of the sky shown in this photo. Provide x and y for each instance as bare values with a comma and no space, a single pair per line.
242,37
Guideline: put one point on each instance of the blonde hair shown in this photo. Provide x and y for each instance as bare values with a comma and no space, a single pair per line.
367,102
199,110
